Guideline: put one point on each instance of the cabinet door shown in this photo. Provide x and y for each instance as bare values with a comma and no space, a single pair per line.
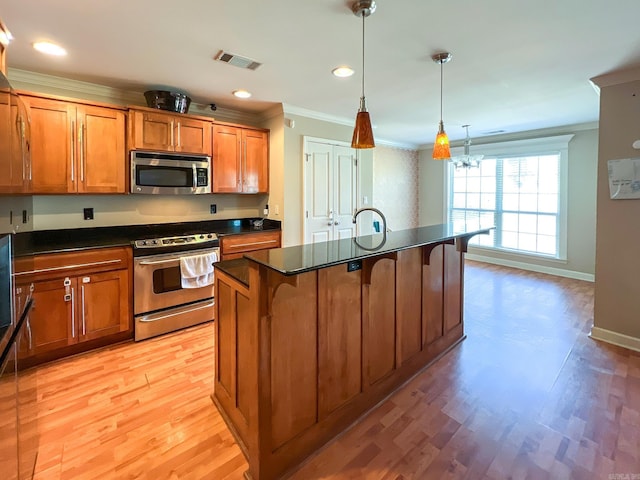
53,147
6,150
101,150
52,316
192,136
226,159
152,131
104,306
22,144
255,171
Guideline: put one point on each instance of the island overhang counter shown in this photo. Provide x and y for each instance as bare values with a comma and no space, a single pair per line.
311,337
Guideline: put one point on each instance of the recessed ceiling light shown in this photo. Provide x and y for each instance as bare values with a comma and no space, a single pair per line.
342,71
49,48
242,93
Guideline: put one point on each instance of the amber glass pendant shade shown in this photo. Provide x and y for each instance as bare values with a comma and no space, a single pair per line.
441,150
362,133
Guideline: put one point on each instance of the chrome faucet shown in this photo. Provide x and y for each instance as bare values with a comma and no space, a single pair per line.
364,209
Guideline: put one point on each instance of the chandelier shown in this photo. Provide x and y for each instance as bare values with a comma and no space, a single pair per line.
466,160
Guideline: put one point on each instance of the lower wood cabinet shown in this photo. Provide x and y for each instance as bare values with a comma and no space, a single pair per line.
234,246
77,298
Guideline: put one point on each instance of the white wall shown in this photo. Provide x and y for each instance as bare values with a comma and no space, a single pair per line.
11,208
292,181
66,211
581,200
617,299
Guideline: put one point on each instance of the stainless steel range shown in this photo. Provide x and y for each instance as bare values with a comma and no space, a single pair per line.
160,302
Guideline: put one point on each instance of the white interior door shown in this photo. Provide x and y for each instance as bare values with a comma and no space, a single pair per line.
330,191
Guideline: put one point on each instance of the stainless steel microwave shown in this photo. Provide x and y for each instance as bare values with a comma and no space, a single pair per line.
170,173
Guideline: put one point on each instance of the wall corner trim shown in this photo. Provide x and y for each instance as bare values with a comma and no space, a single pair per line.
615,338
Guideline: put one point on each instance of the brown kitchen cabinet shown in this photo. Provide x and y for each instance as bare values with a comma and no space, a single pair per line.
240,159
150,129
76,148
234,246
78,297
15,169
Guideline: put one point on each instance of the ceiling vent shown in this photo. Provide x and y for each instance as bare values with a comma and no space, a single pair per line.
237,60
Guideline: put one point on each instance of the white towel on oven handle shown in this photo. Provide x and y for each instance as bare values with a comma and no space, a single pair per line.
197,270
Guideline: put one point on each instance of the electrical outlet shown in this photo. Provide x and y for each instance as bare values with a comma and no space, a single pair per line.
88,213
213,208
354,265
265,210
276,209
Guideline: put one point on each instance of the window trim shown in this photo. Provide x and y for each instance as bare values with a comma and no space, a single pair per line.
526,147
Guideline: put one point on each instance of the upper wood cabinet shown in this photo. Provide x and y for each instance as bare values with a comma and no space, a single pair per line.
240,159
76,147
150,129
15,166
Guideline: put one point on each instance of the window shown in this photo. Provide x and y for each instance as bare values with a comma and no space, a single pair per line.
520,189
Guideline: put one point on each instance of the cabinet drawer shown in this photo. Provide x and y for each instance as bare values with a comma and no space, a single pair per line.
56,265
249,242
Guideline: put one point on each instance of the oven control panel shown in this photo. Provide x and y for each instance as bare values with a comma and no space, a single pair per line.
176,241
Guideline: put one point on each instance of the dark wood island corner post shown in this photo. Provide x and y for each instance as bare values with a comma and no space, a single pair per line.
304,349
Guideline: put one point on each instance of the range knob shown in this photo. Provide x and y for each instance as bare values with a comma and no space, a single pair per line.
210,236
154,242
143,242
201,236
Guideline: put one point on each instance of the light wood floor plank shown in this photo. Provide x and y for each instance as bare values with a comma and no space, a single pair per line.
526,395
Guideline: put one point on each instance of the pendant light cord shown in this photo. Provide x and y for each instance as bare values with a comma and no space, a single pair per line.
363,16
441,62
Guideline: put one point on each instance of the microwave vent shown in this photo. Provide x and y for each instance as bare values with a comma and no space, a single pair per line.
237,60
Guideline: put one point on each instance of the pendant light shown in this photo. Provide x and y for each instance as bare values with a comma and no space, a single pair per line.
441,149
466,160
362,132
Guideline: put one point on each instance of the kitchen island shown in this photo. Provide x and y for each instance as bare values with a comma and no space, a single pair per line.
309,338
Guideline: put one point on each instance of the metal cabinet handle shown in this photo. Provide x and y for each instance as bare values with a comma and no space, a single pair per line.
252,244
73,313
30,333
83,313
239,172
81,132
73,150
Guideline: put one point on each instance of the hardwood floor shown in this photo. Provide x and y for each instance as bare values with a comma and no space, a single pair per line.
527,395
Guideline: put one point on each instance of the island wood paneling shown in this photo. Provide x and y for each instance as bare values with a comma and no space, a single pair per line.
339,337
226,340
316,350
247,345
452,290
294,356
409,303
432,297
378,319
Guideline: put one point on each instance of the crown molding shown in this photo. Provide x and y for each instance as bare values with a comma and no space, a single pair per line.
616,77
34,81
303,112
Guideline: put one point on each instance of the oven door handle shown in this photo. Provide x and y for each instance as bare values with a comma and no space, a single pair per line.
153,318
175,260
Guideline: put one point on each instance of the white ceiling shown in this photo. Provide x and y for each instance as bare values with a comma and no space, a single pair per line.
517,65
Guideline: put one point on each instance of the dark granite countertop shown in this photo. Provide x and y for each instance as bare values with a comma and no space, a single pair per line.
65,240
304,258
237,268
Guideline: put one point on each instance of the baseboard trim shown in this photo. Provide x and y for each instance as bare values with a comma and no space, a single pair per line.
615,338
560,272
